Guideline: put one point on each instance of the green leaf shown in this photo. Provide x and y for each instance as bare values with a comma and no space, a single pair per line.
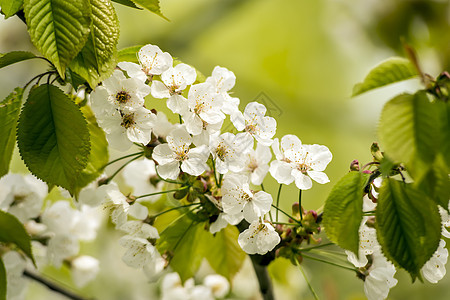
436,183
408,225
151,5
58,28
2,280
185,241
10,8
9,113
97,59
444,109
343,211
392,70
224,254
129,54
409,132
12,231
13,57
53,137
98,157
128,3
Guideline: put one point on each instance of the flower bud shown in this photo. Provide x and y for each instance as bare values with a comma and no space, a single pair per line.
376,152
354,166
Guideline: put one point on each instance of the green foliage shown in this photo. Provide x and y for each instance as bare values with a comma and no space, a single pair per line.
129,54
9,113
408,225
2,280
128,3
392,70
53,137
10,8
13,57
444,109
98,157
58,28
185,241
97,59
409,131
436,183
224,253
14,232
151,5
343,211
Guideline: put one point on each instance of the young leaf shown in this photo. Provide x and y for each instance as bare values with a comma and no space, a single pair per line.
343,211
129,54
224,254
10,8
12,231
151,5
409,132
97,59
444,109
53,137
98,157
13,57
408,225
58,28
436,183
9,113
392,70
128,3
2,280
185,241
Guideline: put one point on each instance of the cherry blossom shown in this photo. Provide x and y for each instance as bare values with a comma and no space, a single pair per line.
434,269
256,164
84,269
227,150
259,238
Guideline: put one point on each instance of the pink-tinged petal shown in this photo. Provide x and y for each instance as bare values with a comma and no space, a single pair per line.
177,104
159,90
302,181
169,171
163,154
281,171
319,177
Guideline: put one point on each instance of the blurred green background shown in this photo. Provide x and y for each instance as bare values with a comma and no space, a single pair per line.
301,59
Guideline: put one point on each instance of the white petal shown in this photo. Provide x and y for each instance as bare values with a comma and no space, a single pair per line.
319,177
133,70
169,171
281,172
177,104
302,181
159,90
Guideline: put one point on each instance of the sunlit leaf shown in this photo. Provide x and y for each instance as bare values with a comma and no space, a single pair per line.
13,57
151,5
128,3
53,137
129,54
12,231
392,70
343,211
408,225
10,8
58,28
224,254
97,59
9,113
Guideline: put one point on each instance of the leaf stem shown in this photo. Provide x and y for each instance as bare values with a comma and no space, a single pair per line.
162,192
300,204
214,171
120,169
328,262
52,286
286,214
307,281
315,247
278,201
175,208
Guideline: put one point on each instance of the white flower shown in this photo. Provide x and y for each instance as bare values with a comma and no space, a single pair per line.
139,251
434,269
221,79
22,196
200,292
84,269
162,126
174,81
61,247
367,245
115,202
380,279
153,60
299,162
140,229
237,197
16,287
228,151
257,163
218,284
119,92
176,151
260,238
173,289
137,174
253,122
445,221
127,126
204,108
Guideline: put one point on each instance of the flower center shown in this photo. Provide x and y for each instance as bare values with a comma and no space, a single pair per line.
251,128
221,151
123,97
127,120
253,164
182,154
